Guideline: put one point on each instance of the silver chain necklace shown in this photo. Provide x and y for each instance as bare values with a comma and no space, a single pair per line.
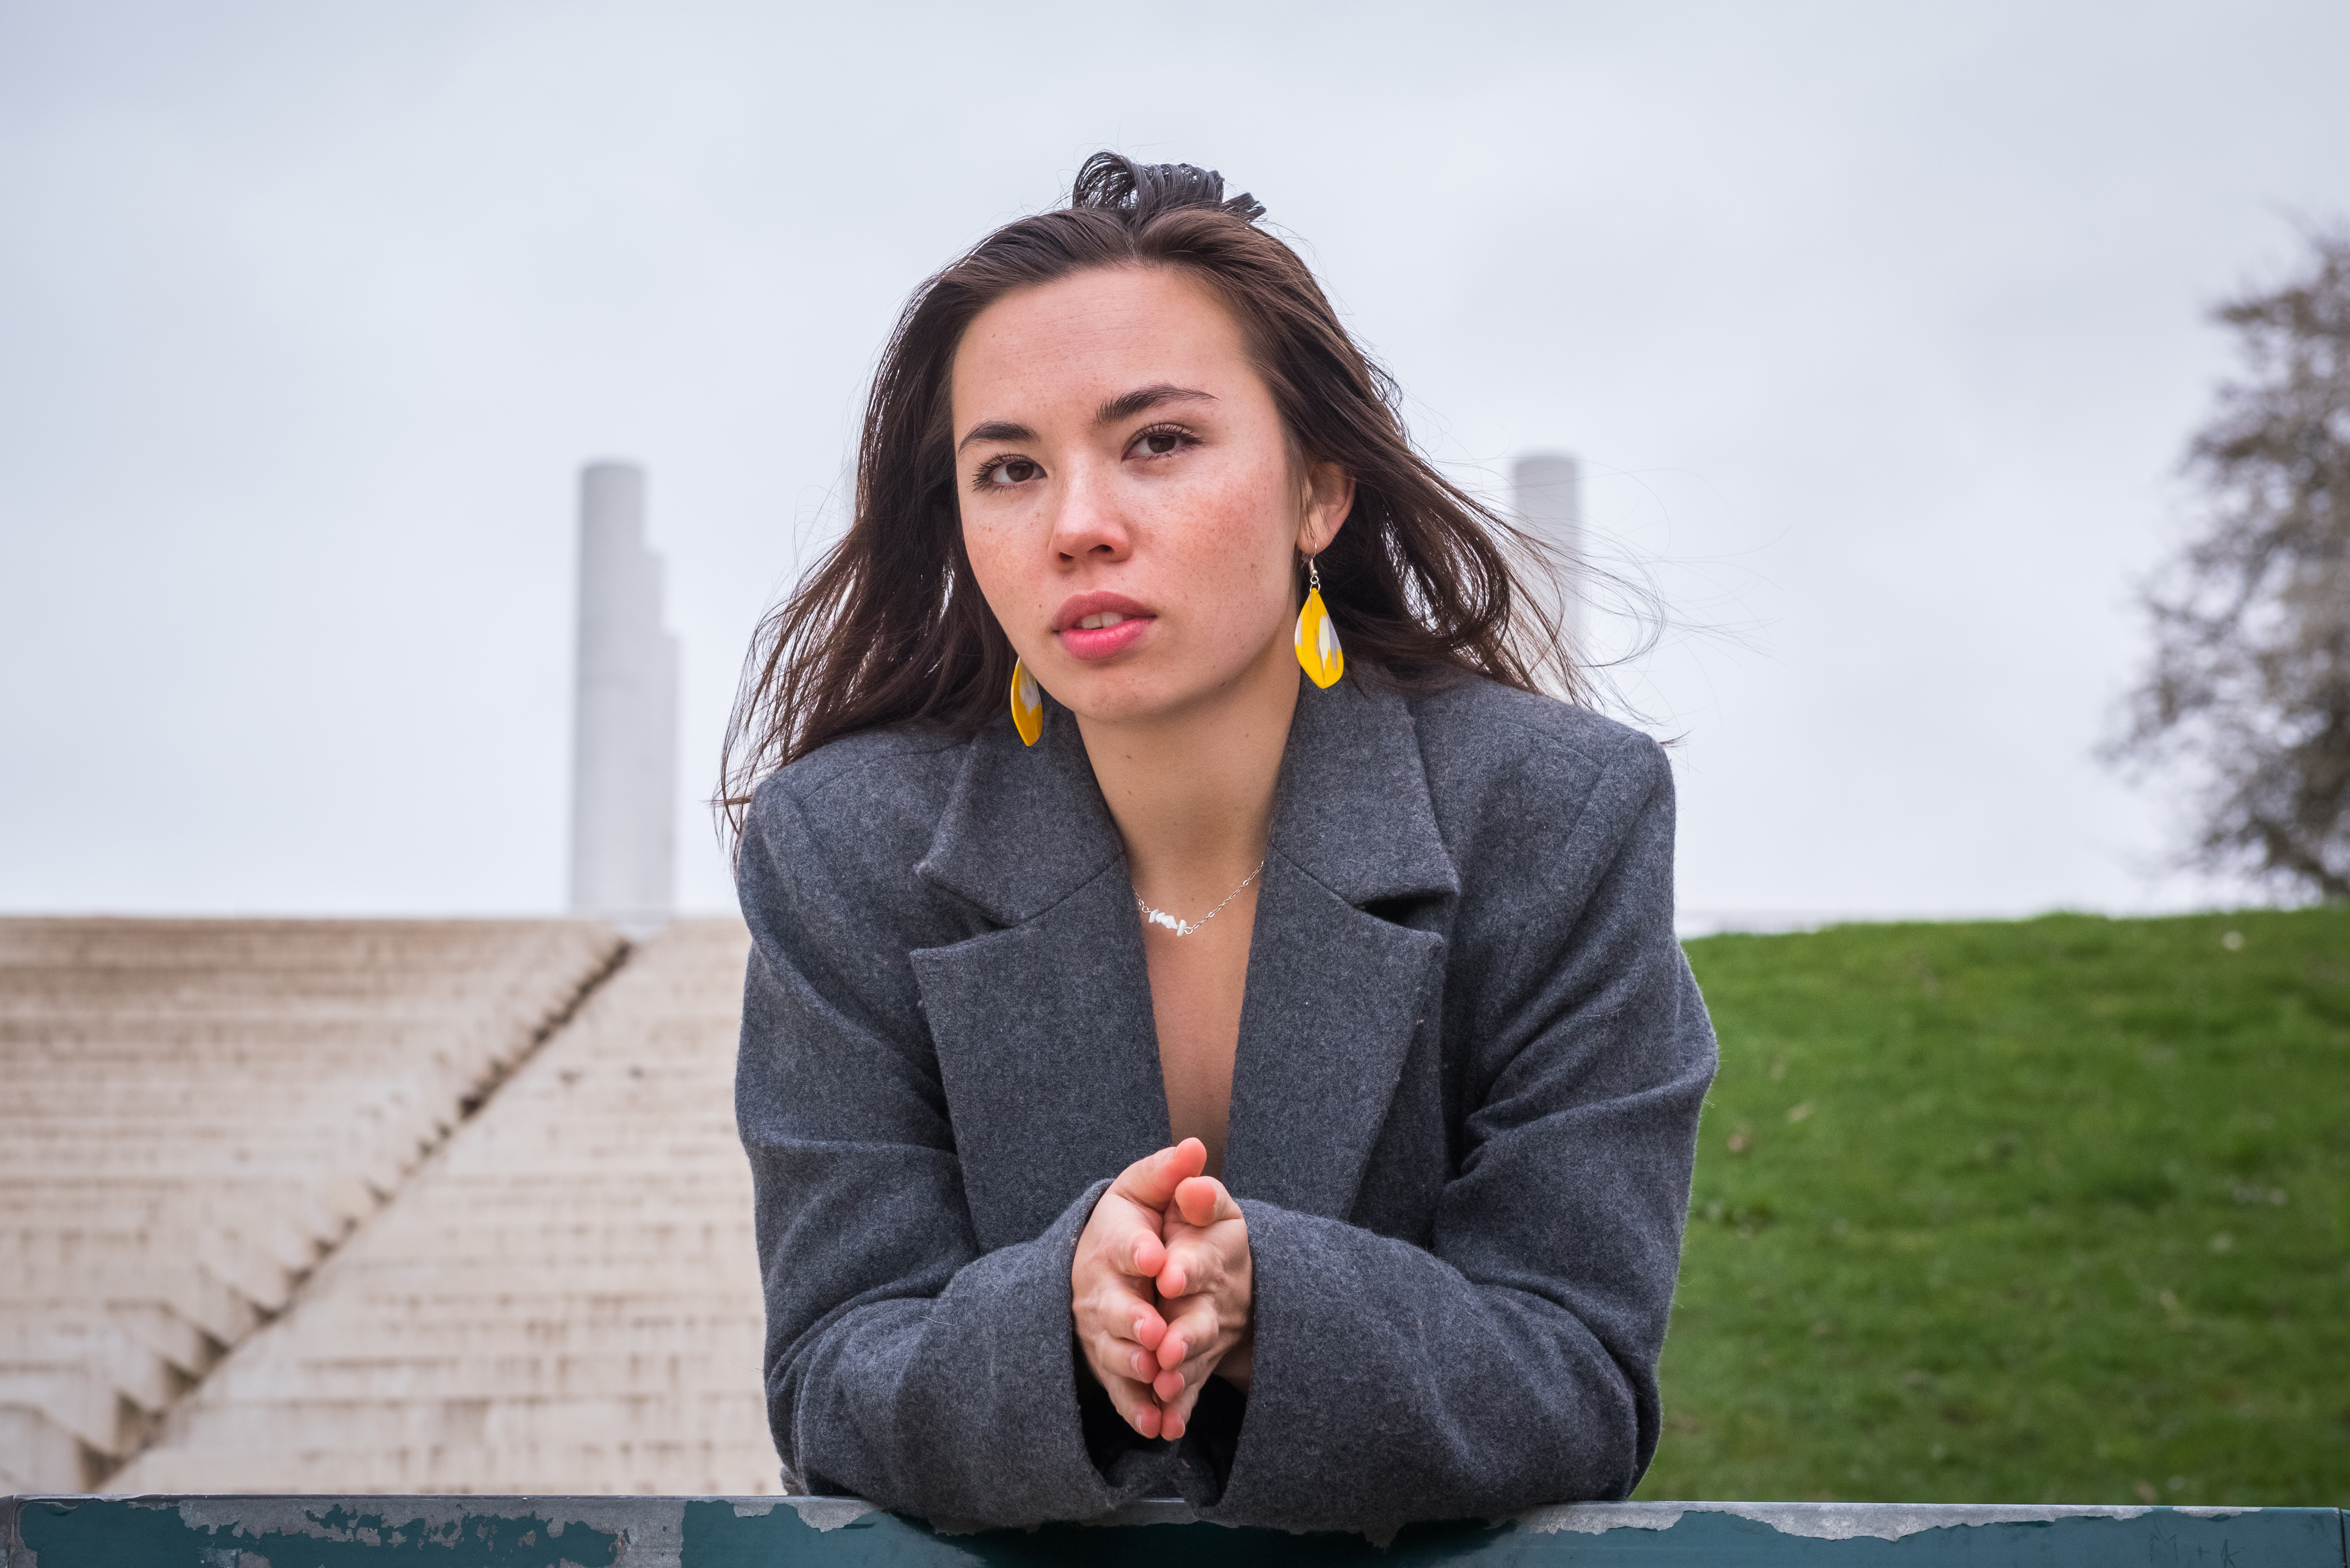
1185,928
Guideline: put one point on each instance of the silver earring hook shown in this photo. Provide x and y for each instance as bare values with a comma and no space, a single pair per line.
1313,576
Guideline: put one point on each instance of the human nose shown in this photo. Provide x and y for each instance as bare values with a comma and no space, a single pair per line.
1089,525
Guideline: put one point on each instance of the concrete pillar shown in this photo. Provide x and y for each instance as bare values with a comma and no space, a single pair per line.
1546,493
624,732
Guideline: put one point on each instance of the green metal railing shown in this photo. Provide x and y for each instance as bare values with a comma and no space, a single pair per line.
774,1532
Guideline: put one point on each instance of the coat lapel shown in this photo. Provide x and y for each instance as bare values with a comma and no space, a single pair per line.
1335,994
1046,1041
1045,1044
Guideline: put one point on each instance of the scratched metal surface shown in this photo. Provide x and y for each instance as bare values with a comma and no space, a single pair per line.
737,1533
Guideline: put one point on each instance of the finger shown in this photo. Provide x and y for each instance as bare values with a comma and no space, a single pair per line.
1202,1201
1116,1327
1187,1332
1151,1180
1134,1321
1126,1235
1113,1361
1134,1403
1192,1266
1175,1416
1125,1371
1169,1383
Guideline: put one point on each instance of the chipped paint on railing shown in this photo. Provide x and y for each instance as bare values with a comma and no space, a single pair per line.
738,1531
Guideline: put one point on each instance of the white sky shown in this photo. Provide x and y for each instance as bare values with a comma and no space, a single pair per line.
1879,329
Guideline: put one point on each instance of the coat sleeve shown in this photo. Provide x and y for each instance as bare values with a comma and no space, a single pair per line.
901,1362
1511,1361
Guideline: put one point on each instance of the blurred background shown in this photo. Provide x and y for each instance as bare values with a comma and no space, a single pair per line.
1880,335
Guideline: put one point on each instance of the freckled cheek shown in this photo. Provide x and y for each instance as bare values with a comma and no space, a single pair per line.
1227,552
1007,579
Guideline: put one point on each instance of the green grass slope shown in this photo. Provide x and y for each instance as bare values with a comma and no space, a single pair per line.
2055,1210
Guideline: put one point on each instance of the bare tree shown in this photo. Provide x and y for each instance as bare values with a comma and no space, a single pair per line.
2248,694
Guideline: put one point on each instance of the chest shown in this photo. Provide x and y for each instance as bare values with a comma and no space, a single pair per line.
1052,1077
1197,985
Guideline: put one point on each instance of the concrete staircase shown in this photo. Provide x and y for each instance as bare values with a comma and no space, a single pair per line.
566,1298
194,1113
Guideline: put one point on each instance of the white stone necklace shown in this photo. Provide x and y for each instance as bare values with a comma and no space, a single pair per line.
1185,928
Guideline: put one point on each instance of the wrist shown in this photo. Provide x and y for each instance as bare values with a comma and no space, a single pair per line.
1238,1363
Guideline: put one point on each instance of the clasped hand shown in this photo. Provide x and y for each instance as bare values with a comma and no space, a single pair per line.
1159,1290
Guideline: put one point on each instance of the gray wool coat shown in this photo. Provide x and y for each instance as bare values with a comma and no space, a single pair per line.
1463,1113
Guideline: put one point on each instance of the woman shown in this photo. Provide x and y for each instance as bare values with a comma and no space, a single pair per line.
1198,1073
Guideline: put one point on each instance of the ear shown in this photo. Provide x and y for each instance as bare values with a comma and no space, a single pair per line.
1329,497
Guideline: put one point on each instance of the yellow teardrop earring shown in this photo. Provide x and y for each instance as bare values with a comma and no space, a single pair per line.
1318,653
1028,704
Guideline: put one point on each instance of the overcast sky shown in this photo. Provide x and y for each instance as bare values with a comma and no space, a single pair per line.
1878,329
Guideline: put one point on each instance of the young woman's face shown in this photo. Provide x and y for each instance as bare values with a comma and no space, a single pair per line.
1130,504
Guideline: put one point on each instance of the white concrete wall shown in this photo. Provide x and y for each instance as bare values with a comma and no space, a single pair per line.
624,737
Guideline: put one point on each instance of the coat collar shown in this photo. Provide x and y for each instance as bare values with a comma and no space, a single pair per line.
1052,1064
1026,826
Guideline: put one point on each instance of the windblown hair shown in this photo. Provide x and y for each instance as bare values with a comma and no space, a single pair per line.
889,627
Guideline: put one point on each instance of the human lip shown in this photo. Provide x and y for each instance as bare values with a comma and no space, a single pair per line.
1080,607
1095,626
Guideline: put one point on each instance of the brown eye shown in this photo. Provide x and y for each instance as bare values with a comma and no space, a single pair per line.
1159,443
1014,470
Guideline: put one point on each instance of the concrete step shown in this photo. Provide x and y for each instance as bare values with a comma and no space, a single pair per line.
37,1455
199,1112
568,1296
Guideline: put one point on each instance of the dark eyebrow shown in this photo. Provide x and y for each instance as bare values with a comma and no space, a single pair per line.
1141,401
1143,398
996,430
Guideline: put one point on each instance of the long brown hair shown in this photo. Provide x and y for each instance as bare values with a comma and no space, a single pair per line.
890,629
